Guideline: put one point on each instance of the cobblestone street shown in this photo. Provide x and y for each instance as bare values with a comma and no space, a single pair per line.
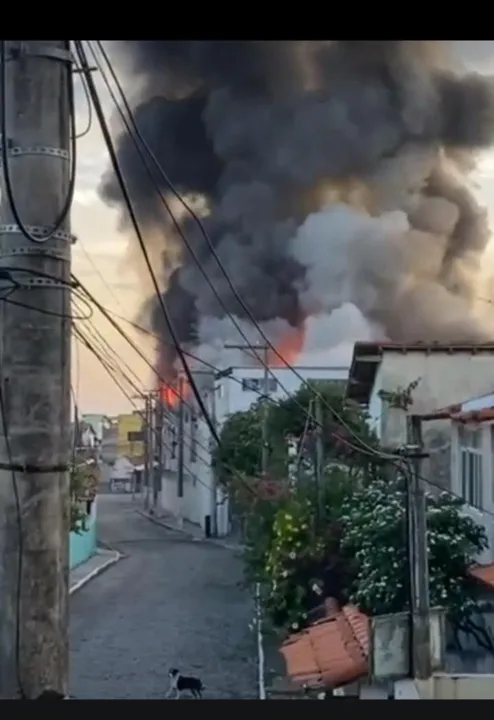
169,603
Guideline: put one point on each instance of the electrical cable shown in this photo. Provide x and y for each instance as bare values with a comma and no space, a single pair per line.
106,348
116,167
80,337
4,131
363,445
371,455
212,249
135,129
89,106
108,315
129,340
99,274
42,311
112,365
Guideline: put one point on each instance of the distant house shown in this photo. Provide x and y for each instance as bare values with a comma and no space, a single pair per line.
122,474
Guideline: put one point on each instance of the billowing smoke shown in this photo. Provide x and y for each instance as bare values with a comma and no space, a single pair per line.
332,179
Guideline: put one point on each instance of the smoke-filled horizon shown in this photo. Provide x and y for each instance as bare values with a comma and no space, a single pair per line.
332,177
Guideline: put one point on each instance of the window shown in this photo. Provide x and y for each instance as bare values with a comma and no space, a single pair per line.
471,465
257,384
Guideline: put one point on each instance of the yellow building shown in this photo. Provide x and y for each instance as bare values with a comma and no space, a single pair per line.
129,445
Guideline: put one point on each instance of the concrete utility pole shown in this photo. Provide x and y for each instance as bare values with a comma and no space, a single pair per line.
180,448
148,456
319,465
265,403
419,566
158,471
214,479
35,338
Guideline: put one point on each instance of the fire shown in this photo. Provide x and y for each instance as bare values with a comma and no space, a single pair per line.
171,395
289,348
351,192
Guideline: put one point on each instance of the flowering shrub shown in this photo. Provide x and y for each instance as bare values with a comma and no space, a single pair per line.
294,550
83,484
374,527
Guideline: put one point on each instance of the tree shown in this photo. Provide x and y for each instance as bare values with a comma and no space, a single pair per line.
84,478
343,421
293,551
374,541
239,451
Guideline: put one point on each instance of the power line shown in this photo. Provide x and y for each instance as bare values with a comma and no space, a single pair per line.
116,167
111,365
99,274
89,346
212,249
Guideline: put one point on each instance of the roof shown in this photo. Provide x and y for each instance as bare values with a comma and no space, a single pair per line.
483,573
367,357
331,652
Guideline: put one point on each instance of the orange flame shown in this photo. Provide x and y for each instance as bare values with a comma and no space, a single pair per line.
171,395
289,348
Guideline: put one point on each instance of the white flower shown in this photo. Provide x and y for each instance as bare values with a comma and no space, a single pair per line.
292,556
316,589
295,626
284,574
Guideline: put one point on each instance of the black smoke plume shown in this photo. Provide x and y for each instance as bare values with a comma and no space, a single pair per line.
332,174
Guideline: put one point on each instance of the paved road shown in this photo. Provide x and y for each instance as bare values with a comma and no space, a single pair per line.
169,603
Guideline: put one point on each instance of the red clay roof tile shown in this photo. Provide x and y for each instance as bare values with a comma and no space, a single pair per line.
331,652
484,573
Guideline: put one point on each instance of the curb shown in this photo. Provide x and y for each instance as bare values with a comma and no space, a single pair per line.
188,535
167,526
260,647
97,571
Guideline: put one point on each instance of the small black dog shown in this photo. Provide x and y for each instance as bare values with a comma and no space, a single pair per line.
181,683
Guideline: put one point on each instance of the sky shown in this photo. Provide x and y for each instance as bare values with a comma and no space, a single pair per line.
99,256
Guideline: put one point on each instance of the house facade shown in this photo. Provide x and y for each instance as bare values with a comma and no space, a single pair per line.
224,393
443,374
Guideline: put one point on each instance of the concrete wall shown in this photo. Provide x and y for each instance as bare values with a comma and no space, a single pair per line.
445,379
196,502
83,545
457,687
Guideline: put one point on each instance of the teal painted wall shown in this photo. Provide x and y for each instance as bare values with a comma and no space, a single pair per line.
84,545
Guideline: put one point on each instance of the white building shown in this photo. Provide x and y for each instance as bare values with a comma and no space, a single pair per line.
460,453
231,391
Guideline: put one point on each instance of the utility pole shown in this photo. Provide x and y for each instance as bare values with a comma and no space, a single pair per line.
214,483
147,450
158,471
319,465
265,399
35,337
419,566
180,447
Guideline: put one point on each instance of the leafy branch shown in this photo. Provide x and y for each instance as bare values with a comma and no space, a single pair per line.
400,398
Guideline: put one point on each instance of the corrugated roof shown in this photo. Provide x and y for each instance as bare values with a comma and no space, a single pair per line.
367,357
332,651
